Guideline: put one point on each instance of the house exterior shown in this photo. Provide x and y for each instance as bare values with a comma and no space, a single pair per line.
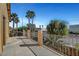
74,28
4,24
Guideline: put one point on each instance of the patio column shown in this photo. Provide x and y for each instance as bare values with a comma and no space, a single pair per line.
40,38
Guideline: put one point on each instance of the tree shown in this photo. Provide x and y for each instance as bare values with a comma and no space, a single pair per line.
13,18
56,29
33,15
22,27
30,15
17,21
63,28
32,27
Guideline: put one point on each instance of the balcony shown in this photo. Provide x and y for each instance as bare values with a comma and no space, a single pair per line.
21,46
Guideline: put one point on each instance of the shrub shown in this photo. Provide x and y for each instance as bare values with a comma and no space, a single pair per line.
56,29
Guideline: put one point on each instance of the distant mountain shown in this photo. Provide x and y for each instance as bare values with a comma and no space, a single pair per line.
74,28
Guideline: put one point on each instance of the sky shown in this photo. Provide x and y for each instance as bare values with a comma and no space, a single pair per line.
46,12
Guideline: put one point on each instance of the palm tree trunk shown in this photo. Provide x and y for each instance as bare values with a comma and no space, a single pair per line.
13,25
17,25
13,28
17,28
29,20
32,20
29,23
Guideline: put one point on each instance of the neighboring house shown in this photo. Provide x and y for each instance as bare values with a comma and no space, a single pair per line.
74,28
37,29
44,29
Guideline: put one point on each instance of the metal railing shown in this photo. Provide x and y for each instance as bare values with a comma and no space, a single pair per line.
62,46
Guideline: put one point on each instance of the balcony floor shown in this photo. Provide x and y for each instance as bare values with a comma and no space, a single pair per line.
21,46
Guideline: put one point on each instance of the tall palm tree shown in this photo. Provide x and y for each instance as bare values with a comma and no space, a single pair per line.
33,15
13,17
30,15
17,21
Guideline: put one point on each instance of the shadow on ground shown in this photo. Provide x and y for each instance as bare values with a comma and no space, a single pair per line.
24,45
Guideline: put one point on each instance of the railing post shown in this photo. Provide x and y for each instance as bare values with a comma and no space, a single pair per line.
24,32
76,52
65,50
40,38
28,34
72,51
69,51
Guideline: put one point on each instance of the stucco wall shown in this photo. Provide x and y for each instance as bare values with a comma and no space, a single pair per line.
4,35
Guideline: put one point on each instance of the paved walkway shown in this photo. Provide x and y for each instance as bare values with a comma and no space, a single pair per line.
21,46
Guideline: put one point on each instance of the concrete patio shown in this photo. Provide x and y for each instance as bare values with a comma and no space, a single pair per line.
21,46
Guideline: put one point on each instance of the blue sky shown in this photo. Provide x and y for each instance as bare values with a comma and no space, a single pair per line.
46,12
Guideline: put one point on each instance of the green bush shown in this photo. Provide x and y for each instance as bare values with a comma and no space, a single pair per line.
56,29
77,46
22,28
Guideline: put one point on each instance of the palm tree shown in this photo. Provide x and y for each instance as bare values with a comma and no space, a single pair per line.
13,17
33,15
17,21
30,15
